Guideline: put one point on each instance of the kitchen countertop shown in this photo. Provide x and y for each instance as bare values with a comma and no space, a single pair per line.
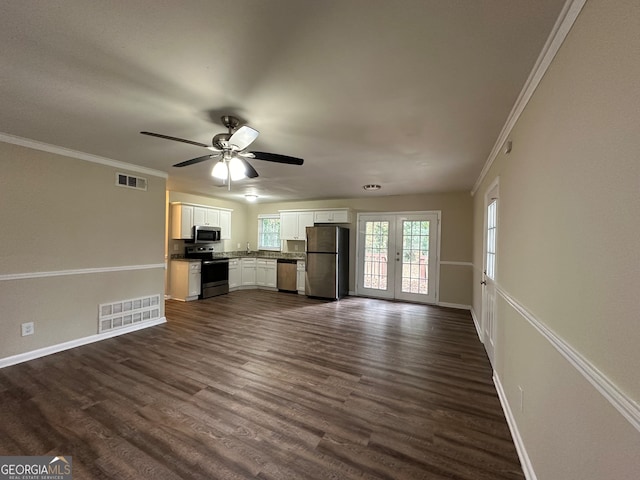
244,254
262,254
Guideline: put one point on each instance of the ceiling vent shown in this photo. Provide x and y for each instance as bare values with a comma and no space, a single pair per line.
129,181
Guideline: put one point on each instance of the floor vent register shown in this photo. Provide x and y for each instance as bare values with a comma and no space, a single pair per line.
121,314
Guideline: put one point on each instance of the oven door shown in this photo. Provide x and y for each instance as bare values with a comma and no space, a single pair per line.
215,277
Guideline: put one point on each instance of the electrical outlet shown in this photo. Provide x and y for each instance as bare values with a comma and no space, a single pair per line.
176,247
521,398
27,329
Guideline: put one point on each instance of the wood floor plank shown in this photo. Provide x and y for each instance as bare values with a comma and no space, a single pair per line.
272,386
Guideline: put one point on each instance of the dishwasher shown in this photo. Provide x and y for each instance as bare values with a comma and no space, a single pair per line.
287,275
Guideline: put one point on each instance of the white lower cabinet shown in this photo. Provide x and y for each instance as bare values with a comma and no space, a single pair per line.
248,266
185,280
266,273
272,274
301,276
235,273
253,272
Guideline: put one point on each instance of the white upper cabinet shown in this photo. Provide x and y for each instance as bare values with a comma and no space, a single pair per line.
288,225
185,216
181,221
305,219
225,224
206,216
332,216
293,225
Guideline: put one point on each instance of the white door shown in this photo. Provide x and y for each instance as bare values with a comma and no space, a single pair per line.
376,255
397,256
489,315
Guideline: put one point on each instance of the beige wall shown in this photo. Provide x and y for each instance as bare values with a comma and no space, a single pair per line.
57,214
568,250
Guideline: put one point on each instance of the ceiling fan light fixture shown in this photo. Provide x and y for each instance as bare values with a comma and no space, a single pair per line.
251,197
230,149
371,186
220,170
237,169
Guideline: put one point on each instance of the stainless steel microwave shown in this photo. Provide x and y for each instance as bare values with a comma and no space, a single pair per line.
205,234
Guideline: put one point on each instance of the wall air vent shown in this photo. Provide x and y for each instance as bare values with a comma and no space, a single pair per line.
112,316
129,181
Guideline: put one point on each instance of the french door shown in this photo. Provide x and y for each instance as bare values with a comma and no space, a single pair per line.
397,256
489,313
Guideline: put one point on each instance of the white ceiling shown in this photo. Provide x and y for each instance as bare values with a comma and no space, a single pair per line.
410,94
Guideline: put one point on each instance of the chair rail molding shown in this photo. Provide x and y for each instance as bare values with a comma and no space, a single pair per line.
620,401
80,271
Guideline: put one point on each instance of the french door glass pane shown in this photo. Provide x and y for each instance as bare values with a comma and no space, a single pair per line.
415,257
376,254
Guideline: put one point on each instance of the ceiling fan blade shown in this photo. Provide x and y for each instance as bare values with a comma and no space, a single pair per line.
175,139
250,172
274,157
204,158
243,137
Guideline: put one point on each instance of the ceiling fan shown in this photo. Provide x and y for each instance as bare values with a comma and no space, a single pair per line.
230,151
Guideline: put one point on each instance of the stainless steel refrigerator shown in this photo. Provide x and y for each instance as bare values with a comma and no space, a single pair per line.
327,274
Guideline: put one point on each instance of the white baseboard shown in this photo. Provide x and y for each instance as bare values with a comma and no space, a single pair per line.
527,468
459,306
476,323
43,352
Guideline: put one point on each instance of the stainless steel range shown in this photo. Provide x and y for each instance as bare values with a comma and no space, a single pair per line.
215,271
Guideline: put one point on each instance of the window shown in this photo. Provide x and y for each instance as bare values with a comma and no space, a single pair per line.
492,225
269,232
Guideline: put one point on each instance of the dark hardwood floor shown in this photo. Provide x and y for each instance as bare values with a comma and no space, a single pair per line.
267,385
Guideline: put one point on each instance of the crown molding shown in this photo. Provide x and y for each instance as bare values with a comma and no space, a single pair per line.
565,21
87,157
